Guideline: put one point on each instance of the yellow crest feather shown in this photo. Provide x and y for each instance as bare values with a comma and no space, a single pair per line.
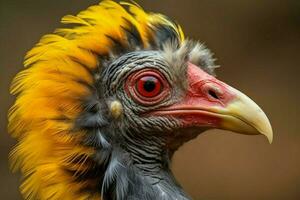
49,97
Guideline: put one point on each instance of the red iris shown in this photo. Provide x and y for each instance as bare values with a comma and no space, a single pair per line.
149,86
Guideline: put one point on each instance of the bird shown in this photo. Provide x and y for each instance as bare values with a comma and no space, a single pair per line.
105,101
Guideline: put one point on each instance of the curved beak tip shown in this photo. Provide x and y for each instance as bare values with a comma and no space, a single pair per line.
249,117
268,133
270,138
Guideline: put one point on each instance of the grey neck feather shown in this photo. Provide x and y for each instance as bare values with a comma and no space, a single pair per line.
139,169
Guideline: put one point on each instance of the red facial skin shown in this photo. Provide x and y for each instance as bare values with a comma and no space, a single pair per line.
204,93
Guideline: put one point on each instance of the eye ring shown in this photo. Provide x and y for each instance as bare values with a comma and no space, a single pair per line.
147,87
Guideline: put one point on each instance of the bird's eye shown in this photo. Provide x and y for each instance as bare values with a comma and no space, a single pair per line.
149,86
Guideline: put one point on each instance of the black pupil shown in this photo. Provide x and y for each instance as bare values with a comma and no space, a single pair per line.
150,84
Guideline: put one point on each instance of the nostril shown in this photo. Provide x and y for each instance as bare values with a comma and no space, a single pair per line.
213,94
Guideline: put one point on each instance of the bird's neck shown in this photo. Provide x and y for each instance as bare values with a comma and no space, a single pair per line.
141,167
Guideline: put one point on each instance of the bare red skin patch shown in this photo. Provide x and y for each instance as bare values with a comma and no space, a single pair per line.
204,95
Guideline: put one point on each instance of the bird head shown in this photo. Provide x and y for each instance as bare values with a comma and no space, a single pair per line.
165,91
102,107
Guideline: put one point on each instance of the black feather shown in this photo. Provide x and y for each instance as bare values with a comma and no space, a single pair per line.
163,34
134,38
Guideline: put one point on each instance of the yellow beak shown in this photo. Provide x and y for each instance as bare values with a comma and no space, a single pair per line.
243,115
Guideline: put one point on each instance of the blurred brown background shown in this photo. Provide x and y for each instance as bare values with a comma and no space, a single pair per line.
258,44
